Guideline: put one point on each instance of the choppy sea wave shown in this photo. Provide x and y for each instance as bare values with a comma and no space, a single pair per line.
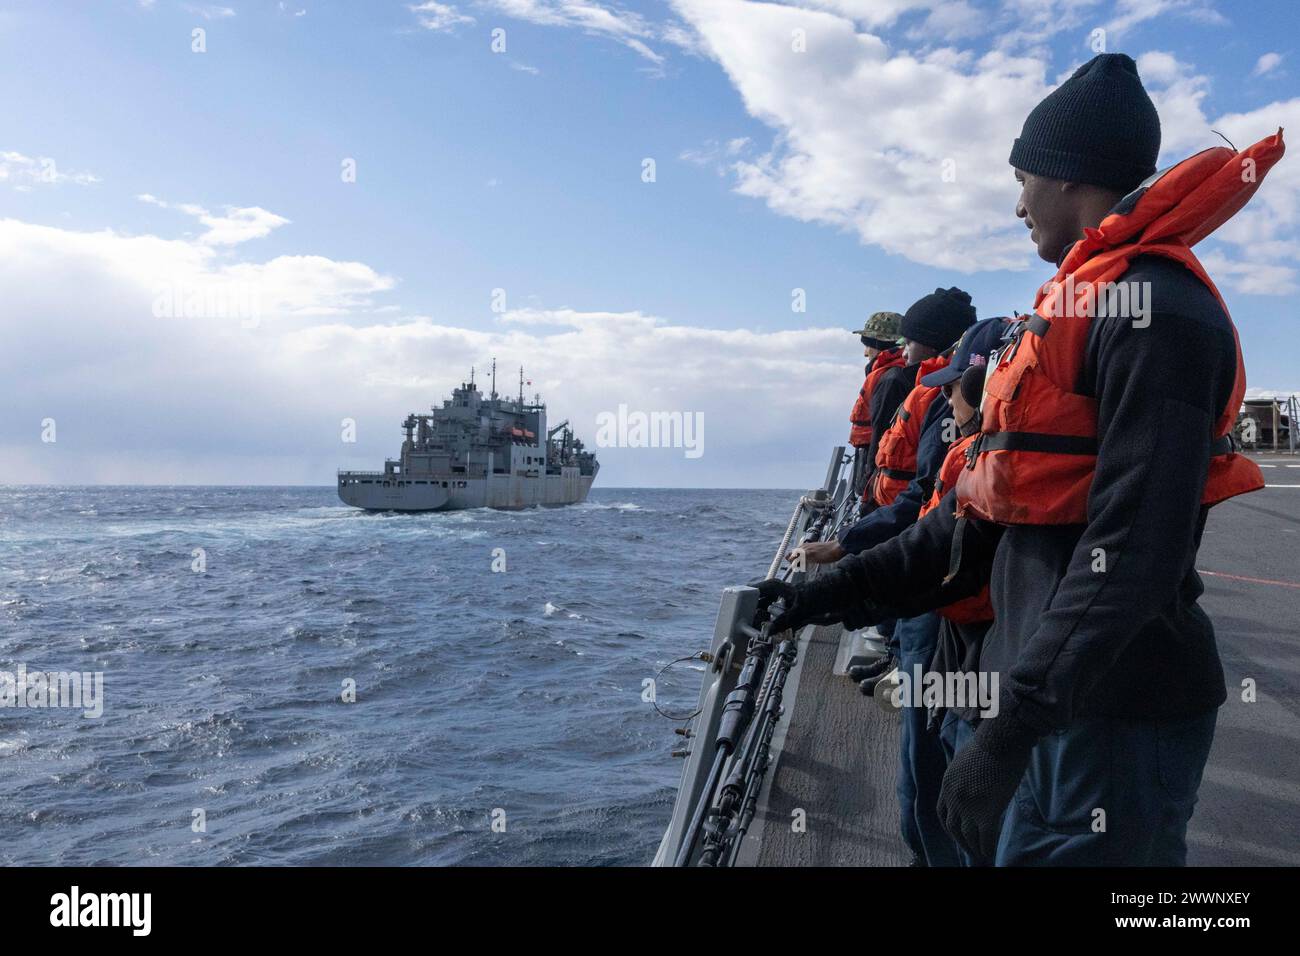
227,623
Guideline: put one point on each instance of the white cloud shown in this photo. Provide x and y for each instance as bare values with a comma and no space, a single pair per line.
1250,277
1267,64
1256,251
1026,26
440,17
209,11
951,21
865,129
631,29
239,225
1130,13
236,226
145,398
628,28
1177,93
24,172
872,13
906,150
720,157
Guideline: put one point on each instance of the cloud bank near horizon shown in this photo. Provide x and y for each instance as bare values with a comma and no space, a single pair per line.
143,394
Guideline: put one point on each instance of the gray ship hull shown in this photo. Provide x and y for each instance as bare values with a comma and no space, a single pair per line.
477,451
374,492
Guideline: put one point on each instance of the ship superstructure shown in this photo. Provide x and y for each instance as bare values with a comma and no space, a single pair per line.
477,451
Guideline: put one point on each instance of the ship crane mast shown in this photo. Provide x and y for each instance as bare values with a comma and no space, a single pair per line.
563,428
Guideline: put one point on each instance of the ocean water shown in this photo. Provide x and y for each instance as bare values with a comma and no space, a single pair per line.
511,696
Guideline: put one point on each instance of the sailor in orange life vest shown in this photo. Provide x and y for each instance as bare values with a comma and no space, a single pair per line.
922,757
882,346
1104,441
962,625
901,410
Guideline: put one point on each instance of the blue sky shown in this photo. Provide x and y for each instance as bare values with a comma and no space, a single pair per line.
521,170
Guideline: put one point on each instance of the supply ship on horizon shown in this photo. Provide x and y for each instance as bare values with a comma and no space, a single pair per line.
477,451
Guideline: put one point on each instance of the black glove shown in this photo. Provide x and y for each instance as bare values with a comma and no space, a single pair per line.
981,781
809,603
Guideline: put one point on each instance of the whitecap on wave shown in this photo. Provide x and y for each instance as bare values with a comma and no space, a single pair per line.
550,610
608,506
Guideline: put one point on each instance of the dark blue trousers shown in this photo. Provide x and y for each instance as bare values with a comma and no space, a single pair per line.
955,733
1108,792
922,759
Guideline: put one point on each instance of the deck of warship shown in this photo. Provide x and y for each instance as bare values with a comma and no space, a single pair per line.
837,759
1249,810
835,752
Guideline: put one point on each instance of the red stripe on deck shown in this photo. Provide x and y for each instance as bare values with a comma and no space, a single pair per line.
1238,577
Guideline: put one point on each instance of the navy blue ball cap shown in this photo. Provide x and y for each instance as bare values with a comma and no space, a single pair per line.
973,348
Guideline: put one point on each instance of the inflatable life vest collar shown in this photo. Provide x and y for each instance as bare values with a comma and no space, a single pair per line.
1034,460
932,365
1185,202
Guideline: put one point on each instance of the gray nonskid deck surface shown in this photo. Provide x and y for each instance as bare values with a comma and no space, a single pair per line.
838,763
1248,812
838,759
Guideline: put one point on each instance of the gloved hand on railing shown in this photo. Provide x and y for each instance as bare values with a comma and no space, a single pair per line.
820,601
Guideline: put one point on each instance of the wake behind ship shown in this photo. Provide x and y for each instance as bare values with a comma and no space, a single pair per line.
477,452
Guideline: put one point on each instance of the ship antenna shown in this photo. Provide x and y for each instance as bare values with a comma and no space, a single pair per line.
471,375
521,386
494,378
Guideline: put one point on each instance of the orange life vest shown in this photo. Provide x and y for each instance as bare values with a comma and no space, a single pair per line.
896,453
977,607
860,417
1034,459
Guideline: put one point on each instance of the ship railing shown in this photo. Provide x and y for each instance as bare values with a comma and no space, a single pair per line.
368,474
707,763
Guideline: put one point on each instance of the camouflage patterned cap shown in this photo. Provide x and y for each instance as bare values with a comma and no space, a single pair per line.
884,327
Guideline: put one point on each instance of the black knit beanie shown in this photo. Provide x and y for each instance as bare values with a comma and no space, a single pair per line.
1097,127
939,319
